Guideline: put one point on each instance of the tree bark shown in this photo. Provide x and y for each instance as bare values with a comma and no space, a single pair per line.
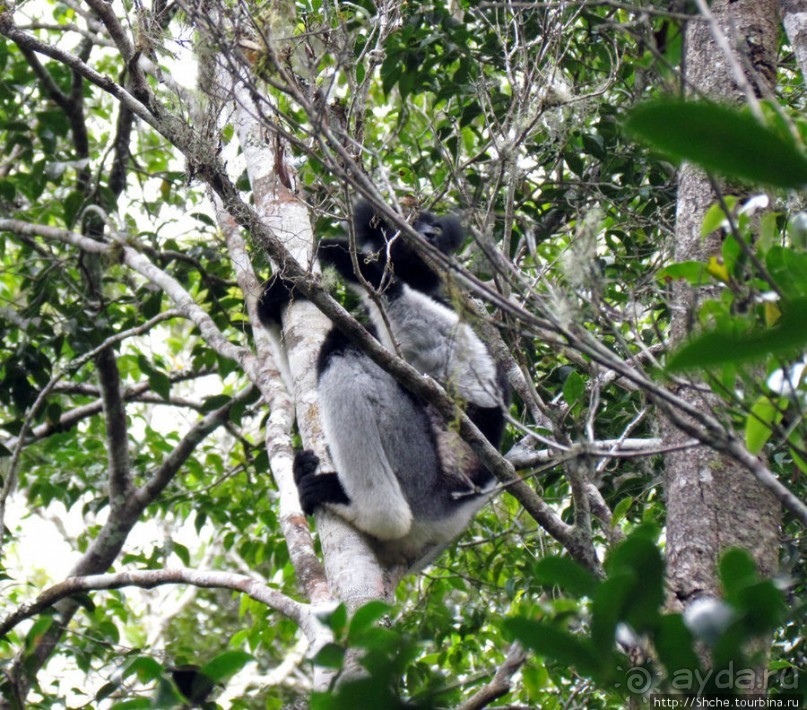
794,18
712,503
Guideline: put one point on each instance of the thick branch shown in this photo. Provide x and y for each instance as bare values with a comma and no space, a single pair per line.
137,392
695,422
117,437
109,542
33,411
295,528
116,31
123,134
140,263
729,446
29,42
148,579
72,104
137,79
172,463
794,17
500,684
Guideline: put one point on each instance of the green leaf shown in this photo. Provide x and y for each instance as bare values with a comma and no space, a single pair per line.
150,305
365,618
673,643
567,574
199,521
107,629
226,664
72,206
732,252
713,219
390,71
721,140
331,655
721,348
334,619
203,218
469,113
551,642
106,690
7,190
797,444
737,571
763,606
143,363
788,269
146,668
694,272
160,383
621,510
765,415
84,600
574,387
633,591
607,607
138,704
215,401
182,552
39,629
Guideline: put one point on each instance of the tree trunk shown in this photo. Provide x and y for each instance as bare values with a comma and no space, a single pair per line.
712,503
794,18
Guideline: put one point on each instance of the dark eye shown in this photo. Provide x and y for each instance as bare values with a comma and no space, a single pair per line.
430,231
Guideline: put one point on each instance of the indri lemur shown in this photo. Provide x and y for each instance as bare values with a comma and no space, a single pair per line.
402,476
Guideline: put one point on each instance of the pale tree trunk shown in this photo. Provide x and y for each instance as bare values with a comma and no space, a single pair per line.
794,18
351,573
712,503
